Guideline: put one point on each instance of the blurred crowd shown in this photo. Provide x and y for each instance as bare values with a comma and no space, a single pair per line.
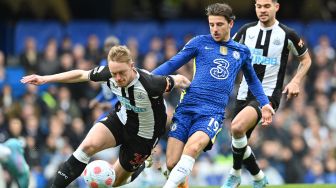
299,146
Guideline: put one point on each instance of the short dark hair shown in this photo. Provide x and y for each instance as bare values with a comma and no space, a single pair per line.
274,1
220,9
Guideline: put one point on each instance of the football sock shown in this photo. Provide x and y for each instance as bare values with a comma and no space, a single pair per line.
180,171
238,149
68,172
250,162
259,176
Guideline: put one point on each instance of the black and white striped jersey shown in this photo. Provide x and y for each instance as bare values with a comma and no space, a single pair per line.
142,111
270,48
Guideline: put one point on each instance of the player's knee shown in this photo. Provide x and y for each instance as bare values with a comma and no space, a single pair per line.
90,148
194,149
171,163
238,129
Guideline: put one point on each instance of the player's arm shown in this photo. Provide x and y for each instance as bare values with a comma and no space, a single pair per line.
64,77
160,84
73,76
255,87
299,49
188,52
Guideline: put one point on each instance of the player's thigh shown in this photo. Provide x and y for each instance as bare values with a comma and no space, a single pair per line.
121,174
174,152
203,133
98,139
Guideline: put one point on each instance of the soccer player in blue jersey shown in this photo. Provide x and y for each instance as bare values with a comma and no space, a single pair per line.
200,114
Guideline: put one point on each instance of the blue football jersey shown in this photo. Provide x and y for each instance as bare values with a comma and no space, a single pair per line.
216,65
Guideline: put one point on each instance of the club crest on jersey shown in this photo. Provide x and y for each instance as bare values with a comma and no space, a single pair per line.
223,50
173,127
140,96
276,41
236,55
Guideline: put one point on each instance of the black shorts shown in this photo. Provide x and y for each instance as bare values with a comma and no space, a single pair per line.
241,104
134,150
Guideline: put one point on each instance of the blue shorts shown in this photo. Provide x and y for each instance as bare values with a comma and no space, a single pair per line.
186,124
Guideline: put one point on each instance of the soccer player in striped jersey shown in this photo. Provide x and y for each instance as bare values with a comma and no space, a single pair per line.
137,124
200,114
270,43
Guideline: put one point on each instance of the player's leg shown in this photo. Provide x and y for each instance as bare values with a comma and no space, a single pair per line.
173,155
203,134
132,156
177,137
16,163
245,120
98,138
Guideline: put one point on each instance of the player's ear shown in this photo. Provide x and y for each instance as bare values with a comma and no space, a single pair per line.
231,24
277,7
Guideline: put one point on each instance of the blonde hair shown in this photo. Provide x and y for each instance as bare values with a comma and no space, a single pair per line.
120,54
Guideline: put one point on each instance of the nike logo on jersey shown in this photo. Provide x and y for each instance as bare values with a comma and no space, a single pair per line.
208,48
251,37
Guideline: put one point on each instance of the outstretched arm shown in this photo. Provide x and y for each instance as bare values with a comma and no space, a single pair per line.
293,87
72,76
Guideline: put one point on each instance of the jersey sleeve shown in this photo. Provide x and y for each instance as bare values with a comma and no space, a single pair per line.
296,44
239,36
253,82
100,73
156,83
188,52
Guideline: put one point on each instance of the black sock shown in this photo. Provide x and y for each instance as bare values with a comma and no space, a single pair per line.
251,164
137,172
69,171
238,154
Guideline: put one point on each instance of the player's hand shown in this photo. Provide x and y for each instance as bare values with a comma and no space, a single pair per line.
93,103
181,81
267,112
292,89
33,79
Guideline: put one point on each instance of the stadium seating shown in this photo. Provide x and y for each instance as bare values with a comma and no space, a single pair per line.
314,30
178,29
13,76
42,31
144,31
79,31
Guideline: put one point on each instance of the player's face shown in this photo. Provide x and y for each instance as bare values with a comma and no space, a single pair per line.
122,73
266,10
219,28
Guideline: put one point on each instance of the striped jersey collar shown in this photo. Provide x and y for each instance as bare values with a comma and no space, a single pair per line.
268,28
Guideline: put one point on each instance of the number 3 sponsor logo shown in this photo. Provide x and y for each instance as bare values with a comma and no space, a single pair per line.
221,70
